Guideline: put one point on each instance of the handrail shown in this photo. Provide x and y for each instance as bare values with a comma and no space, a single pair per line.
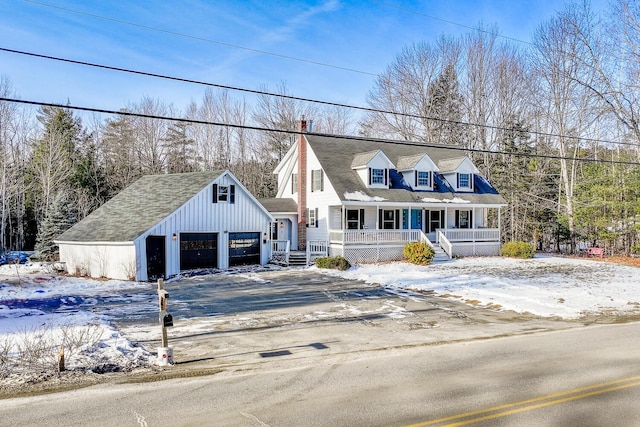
316,247
424,239
445,244
280,248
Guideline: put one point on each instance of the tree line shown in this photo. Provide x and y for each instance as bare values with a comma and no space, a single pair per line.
530,113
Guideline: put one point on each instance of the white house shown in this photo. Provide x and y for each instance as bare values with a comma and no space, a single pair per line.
364,199
163,224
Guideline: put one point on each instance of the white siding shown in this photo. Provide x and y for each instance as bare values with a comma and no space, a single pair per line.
115,261
200,214
319,199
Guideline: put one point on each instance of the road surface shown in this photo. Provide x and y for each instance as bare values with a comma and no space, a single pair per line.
576,377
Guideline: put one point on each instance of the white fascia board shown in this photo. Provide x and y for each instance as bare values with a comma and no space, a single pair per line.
93,243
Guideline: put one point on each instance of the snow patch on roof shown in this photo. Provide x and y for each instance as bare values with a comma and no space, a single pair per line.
361,197
454,200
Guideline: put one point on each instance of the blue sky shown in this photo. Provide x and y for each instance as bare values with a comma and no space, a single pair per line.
361,35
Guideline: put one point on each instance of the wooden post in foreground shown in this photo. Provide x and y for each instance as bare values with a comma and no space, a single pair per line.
163,295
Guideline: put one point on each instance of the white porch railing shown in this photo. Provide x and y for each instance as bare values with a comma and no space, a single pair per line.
315,249
422,238
445,244
470,234
280,250
374,237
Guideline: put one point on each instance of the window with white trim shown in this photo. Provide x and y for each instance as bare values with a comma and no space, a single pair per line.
388,219
377,176
312,217
355,219
424,179
464,180
464,219
223,193
294,183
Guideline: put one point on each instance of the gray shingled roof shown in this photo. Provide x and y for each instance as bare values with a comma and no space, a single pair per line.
336,155
283,205
450,165
139,207
408,162
362,159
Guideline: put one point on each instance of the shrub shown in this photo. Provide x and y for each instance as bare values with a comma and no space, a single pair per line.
418,253
517,250
334,263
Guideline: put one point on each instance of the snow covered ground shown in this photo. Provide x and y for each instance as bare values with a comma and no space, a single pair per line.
40,311
543,286
37,306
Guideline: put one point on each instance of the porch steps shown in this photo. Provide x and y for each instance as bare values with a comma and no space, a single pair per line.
297,259
440,255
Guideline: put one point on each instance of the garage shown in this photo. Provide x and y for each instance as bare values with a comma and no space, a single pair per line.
244,248
198,250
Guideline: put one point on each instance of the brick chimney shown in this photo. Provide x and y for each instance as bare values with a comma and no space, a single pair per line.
302,185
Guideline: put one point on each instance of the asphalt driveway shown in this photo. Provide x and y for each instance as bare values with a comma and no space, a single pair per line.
236,319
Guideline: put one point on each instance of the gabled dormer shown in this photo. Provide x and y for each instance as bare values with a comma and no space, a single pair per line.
459,173
373,168
417,171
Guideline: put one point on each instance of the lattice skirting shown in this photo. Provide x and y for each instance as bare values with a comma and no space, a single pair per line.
368,254
476,249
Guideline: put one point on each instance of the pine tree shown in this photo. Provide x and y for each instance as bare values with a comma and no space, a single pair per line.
58,218
180,149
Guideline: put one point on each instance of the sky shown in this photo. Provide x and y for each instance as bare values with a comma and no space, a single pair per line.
329,50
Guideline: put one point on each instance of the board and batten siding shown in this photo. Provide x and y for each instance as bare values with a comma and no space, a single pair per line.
201,215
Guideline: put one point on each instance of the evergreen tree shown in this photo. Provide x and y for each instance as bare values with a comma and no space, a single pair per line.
180,149
444,98
58,218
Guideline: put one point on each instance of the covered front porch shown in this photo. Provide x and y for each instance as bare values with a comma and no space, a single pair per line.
379,233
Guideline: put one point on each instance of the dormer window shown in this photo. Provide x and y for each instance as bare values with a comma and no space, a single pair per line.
377,176
423,179
465,181
373,168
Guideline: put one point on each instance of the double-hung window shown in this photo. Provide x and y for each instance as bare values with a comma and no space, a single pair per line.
424,179
377,176
355,219
464,180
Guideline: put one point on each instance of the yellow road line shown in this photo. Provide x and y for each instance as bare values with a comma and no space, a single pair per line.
547,400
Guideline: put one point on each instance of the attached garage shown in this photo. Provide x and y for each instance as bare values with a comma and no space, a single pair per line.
199,250
164,224
244,248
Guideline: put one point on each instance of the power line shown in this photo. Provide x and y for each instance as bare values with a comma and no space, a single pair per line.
297,98
296,132
203,39
447,21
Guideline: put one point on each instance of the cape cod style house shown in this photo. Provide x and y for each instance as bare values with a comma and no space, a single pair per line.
163,224
364,199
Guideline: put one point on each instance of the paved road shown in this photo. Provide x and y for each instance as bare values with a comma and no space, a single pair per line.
577,377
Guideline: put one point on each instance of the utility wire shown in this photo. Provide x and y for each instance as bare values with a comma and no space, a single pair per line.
203,39
297,132
296,98
414,12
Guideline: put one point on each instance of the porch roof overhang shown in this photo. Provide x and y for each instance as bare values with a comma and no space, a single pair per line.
420,204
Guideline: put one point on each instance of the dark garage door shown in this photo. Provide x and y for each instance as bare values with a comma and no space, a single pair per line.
198,250
244,248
